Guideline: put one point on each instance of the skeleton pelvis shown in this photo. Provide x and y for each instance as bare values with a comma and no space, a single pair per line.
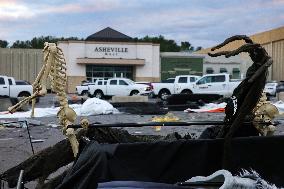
267,111
68,113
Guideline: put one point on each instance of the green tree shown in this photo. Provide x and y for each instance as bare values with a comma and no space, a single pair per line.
22,44
3,43
166,45
185,46
38,42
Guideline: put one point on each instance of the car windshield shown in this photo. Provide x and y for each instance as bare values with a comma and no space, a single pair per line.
271,84
130,82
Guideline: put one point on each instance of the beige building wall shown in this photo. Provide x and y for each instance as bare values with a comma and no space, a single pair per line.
272,41
73,81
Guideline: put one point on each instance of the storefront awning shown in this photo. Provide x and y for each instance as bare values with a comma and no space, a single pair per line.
110,61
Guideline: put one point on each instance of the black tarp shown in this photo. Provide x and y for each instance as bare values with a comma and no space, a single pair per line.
171,162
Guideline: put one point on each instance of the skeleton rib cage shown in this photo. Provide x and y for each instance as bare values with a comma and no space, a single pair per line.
54,68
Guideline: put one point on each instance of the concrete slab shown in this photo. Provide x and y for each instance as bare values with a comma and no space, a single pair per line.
129,99
5,103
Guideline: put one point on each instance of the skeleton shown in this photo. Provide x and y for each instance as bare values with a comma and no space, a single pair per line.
246,96
54,68
264,113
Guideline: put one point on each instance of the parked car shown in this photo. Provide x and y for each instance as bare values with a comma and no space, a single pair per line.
118,87
181,84
270,88
83,89
215,84
280,87
9,88
149,84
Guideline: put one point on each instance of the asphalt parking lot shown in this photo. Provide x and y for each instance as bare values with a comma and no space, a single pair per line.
15,146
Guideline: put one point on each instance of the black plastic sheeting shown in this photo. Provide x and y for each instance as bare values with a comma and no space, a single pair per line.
185,98
172,162
145,108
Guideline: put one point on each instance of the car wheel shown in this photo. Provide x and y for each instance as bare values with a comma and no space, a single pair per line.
134,93
85,93
99,94
164,94
186,91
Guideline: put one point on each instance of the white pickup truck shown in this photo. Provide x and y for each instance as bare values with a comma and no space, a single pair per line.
118,87
9,88
215,84
83,89
181,84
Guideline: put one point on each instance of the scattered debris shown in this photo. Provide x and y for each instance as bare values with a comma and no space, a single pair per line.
37,140
209,108
169,117
2,139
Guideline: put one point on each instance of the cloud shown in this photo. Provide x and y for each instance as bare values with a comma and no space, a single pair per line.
202,23
11,10
14,10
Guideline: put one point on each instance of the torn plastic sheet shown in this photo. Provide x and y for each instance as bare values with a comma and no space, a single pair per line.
280,106
92,106
211,107
245,180
217,108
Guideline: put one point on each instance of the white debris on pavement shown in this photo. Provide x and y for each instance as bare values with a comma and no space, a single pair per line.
280,106
95,106
207,107
92,106
245,180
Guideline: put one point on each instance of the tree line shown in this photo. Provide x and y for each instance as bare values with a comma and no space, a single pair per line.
166,45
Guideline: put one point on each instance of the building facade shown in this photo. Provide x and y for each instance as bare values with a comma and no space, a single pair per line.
272,41
232,66
180,63
109,53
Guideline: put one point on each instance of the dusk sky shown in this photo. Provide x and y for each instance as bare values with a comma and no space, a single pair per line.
201,22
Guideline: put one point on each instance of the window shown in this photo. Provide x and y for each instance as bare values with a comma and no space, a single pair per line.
105,72
202,81
223,70
100,83
10,81
121,82
192,79
2,82
209,70
208,79
182,80
113,82
218,78
22,82
236,73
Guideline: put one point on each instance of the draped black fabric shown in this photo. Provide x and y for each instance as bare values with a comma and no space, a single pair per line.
172,162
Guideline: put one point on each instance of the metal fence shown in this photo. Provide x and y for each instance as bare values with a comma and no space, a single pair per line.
22,64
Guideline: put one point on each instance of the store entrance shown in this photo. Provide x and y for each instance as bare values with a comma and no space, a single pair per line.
94,72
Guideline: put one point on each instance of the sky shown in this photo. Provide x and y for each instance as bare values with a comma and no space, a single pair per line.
201,22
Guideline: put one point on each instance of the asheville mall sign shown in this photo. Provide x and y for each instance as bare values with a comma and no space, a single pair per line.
112,51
